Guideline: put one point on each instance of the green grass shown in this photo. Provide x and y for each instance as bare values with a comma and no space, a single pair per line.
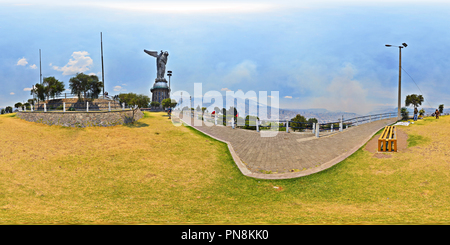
158,173
414,140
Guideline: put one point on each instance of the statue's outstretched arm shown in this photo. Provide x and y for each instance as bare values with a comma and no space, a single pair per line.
152,53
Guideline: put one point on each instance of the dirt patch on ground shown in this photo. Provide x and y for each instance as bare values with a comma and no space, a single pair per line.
402,144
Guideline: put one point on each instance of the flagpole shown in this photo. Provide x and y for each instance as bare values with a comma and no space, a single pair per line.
103,73
40,67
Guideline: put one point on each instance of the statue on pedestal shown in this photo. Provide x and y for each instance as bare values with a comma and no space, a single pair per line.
161,61
159,90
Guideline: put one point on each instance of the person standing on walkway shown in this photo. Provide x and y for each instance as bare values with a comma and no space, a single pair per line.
437,114
415,114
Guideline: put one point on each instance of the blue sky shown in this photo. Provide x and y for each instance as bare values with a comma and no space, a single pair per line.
317,54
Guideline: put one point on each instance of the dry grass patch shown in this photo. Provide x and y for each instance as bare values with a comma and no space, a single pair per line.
154,172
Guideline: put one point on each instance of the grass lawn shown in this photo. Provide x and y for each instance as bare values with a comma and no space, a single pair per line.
153,172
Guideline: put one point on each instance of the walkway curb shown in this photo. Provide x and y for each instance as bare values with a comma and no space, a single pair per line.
245,171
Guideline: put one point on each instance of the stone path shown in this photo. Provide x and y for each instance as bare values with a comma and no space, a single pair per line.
290,155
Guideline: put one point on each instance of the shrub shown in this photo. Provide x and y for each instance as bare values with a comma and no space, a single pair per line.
405,113
250,122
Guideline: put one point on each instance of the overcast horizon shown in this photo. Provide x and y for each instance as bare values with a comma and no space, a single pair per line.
317,54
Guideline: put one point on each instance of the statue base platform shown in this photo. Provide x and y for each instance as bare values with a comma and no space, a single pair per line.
160,80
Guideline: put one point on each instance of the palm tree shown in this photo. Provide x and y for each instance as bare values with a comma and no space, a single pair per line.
414,100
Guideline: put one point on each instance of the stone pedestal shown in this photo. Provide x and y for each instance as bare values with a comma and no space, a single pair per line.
160,91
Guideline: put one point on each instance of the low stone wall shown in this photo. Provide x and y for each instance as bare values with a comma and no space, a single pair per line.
82,119
94,104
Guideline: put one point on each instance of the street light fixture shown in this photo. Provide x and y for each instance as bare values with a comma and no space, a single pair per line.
169,73
404,45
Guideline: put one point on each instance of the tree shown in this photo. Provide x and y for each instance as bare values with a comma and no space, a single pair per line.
8,109
31,101
312,120
217,109
173,103
140,100
405,113
250,122
421,112
38,90
2,111
441,108
27,105
95,87
84,84
414,99
18,105
232,111
168,103
300,119
203,110
52,87
154,104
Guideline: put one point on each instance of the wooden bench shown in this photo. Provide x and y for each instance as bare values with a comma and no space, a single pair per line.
388,140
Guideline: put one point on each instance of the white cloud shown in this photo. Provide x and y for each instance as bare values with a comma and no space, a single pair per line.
50,64
81,62
22,62
288,97
27,89
225,89
119,88
12,93
33,66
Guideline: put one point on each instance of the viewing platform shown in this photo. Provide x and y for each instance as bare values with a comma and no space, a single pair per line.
290,155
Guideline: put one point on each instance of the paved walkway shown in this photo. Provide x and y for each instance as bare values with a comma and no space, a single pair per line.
290,155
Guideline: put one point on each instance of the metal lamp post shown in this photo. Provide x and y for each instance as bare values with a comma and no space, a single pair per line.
404,45
169,74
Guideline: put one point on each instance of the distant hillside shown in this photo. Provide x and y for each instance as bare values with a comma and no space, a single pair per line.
428,111
323,115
